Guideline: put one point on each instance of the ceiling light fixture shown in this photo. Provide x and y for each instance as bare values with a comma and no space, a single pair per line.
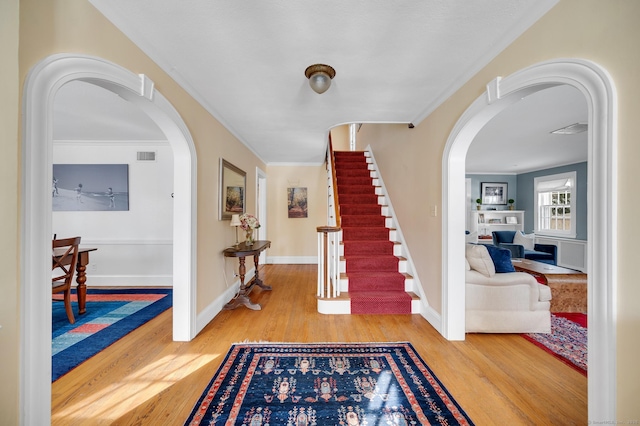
571,129
320,76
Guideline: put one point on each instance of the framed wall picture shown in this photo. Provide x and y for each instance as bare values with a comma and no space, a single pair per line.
90,187
297,203
493,193
231,190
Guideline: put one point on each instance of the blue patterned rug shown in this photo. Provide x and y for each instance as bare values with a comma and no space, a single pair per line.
111,314
325,384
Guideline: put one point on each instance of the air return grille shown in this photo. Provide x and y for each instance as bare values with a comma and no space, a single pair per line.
146,156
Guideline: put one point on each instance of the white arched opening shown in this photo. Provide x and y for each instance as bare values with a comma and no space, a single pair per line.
599,91
41,86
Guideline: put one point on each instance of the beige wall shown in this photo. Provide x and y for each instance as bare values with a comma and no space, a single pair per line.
340,138
604,32
9,160
295,237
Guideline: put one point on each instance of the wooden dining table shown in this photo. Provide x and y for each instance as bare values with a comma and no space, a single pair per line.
81,273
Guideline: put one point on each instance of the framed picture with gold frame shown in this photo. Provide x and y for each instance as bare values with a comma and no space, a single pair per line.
232,189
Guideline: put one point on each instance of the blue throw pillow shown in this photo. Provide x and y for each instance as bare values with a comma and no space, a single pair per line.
501,259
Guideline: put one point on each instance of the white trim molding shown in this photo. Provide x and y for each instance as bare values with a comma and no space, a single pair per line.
598,88
292,260
42,84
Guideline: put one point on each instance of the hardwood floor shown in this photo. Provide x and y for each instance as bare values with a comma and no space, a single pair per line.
147,379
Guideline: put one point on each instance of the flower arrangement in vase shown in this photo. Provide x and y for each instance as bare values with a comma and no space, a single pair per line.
249,223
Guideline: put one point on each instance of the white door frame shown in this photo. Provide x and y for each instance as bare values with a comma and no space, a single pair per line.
261,209
598,88
41,86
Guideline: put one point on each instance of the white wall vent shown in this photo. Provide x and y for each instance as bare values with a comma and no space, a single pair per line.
146,156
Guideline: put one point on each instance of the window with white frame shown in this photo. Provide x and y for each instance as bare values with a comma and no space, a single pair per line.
555,201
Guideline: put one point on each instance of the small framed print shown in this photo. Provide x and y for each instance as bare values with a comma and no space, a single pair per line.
494,193
297,203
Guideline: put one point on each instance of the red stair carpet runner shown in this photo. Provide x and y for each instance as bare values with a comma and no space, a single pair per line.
375,285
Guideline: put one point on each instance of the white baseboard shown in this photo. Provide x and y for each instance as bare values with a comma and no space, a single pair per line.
292,260
434,318
215,307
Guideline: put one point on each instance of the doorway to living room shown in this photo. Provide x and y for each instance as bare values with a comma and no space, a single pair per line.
599,91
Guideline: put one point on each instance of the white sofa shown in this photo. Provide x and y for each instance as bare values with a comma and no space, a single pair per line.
511,302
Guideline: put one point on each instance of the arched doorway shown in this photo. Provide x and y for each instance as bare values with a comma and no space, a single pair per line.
41,86
597,87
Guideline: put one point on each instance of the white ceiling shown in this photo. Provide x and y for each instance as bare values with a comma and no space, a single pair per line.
244,61
519,139
84,111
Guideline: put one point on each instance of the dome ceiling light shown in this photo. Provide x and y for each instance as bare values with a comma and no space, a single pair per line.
320,76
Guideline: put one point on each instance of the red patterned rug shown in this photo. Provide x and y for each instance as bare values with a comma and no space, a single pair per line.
325,384
567,340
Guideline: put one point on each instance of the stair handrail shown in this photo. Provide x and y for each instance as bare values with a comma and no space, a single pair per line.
329,237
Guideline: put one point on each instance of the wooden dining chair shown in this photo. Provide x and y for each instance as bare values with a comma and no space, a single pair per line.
65,258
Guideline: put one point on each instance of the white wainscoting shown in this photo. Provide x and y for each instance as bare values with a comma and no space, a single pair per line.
571,253
138,263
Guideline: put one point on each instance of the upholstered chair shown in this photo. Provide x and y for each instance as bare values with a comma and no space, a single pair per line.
527,249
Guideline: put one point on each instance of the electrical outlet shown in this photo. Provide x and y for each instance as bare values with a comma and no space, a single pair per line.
94,267
434,211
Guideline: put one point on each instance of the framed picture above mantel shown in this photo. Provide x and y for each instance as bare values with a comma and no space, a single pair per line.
494,193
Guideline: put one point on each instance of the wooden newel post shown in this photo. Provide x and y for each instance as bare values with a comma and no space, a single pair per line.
324,268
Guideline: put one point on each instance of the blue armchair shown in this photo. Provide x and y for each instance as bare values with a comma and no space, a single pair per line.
546,253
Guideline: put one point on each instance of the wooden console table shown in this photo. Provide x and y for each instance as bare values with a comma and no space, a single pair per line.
81,274
568,286
241,252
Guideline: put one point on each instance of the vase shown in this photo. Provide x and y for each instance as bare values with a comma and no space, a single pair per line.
249,237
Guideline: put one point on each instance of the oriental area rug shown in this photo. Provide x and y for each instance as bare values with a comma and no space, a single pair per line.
567,340
111,314
325,384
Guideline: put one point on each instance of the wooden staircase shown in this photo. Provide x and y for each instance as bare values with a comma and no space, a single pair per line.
373,278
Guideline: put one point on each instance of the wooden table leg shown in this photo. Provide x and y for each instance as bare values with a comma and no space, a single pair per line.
243,295
81,279
256,278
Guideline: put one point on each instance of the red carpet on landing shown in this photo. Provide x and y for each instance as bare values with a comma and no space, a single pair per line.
375,285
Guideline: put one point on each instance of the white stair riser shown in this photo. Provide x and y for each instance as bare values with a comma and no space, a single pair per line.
334,307
342,306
